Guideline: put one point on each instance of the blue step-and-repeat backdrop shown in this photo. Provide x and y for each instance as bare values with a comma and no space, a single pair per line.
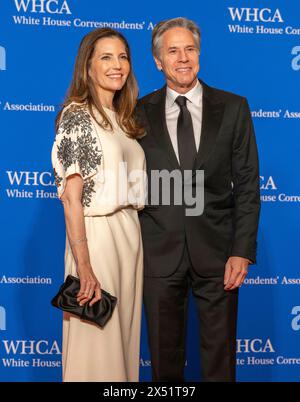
249,47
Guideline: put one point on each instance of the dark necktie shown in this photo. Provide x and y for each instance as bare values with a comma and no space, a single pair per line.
185,136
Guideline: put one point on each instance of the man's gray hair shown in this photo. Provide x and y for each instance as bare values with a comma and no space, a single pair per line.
179,22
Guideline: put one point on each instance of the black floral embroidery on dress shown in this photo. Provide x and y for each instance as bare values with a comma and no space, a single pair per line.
76,118
57,178
84,149
88,154
66,152
88,189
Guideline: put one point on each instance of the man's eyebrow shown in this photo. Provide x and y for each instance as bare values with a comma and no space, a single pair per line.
176,47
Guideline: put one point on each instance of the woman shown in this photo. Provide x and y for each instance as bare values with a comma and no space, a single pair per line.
94,145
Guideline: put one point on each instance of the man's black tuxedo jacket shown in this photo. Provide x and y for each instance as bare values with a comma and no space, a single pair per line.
228,156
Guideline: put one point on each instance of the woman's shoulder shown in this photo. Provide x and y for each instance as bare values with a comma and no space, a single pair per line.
75,116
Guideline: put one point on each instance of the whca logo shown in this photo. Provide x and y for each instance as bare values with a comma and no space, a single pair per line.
43,6
2,58
248,14
2,319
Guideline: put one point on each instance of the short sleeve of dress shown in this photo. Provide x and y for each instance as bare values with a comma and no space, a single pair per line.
76,149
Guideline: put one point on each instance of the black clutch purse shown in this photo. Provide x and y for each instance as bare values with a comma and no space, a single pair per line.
66,300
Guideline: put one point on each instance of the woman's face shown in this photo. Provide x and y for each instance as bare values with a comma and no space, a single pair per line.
109,65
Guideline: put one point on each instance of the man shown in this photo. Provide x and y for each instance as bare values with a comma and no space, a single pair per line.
191,127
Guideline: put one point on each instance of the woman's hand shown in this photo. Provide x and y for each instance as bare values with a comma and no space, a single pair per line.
88,286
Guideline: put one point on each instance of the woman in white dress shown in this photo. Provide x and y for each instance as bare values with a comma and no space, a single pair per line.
99,170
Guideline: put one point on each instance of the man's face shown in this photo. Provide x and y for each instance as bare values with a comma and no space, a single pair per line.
179,59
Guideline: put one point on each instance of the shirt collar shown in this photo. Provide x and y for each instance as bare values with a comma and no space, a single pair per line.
194,95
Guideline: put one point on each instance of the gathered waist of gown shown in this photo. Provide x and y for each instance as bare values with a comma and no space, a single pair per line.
111,211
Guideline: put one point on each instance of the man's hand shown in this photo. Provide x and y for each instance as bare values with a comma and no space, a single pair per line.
236,270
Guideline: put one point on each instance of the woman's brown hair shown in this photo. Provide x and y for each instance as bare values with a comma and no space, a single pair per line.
82,89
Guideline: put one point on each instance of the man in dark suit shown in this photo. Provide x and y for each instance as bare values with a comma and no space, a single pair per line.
191,127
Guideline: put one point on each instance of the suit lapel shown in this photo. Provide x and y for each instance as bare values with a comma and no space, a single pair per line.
212,115
156,112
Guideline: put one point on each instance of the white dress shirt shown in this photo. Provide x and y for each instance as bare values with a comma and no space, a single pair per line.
194,105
